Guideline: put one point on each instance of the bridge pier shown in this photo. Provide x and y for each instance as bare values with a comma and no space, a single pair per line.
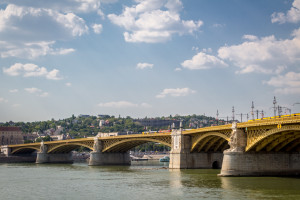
98,158
261,164
237,162
44,157
180,150
182,158
6,150
53,158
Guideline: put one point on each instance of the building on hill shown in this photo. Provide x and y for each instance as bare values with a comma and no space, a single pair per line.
100,134
11,135
157,122
84,116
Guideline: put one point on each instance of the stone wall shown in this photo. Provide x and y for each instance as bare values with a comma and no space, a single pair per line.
99,158
260,164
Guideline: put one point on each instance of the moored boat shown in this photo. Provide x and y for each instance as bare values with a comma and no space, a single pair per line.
164,159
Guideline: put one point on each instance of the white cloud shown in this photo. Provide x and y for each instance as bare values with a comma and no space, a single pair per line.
30,50
44,94
29,32
29,70
250,37
286,84
16,105
13,90
263,55
176,92
97,28
144,65
68,84
293,15
178,69
109,1
64,6
203,61
3,100
33,90
122,104
153,21
37,92
146,105
218,25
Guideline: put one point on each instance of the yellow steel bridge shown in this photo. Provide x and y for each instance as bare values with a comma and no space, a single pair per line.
267,135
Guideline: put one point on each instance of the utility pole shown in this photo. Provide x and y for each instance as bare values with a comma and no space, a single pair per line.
252,111
217,117
279,110
262,114
247,117
241,115
274,103
232,113
257,111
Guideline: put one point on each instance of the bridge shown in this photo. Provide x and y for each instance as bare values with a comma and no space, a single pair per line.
269,146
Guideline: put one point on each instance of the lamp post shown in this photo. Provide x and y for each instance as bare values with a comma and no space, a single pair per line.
274,103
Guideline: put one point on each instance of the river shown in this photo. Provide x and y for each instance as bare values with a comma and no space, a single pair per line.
142,180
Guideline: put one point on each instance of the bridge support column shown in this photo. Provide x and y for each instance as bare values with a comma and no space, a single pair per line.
231,160
261,164
53,158
6,150
44,157
237,162
180,150
98,158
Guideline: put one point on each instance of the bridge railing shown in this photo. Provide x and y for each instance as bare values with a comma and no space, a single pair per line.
285,119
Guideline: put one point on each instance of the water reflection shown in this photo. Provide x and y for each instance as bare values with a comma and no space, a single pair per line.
176,181
261,187
141,180
202,178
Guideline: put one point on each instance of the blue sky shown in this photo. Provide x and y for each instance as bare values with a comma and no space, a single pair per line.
147,57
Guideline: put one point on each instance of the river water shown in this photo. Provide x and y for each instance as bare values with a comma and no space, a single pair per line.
142,180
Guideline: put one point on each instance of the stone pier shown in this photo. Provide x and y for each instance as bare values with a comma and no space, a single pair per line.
260,164
237,162
54,158
98,158
44,157
5,150
182,158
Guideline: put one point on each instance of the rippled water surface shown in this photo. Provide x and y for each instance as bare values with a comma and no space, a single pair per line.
142,180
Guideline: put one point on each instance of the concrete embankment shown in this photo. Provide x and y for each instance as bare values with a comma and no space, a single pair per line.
154,156
18,159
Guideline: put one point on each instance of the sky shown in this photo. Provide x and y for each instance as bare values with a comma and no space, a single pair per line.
149,58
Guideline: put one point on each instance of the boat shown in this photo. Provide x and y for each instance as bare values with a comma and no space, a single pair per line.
164,159
133,158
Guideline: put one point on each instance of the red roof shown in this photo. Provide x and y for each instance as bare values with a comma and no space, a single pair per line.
11,128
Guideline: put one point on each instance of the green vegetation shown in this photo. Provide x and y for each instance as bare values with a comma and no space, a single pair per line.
88,126
151,146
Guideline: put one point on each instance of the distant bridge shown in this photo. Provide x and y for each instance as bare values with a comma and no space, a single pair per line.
277,135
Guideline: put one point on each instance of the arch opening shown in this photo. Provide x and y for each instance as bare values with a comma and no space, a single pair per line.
67,148
210,142
216,165
26,150
126,145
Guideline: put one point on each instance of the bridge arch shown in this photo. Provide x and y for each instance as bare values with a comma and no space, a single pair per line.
67,147
127,144
25,150
211,141
277,139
